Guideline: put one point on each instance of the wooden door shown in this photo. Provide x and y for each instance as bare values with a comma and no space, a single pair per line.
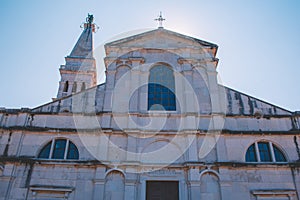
162,190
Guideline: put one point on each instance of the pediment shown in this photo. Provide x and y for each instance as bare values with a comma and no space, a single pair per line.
163,39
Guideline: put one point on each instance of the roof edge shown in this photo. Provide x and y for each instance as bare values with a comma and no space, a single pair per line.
291,112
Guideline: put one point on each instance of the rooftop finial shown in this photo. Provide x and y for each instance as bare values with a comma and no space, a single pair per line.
160,19
89,23
89,19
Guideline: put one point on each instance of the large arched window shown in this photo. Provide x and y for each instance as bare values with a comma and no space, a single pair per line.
59,149
264,152
161,89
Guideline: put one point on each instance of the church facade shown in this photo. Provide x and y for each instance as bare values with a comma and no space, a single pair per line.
160,127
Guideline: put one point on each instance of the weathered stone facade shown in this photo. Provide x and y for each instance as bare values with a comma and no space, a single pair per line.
123,145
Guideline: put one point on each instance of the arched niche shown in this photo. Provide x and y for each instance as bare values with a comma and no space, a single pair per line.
114,185
210,186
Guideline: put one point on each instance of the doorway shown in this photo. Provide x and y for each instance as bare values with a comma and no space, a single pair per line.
162,190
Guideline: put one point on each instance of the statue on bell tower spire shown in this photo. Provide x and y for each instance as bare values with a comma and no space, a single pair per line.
90,19
89,23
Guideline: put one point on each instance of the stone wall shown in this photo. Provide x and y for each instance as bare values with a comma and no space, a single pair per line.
223,174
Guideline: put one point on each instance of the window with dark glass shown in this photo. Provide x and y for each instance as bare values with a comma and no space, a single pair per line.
45,151
251,154
264,152
59,149
72,151
278,155
161,89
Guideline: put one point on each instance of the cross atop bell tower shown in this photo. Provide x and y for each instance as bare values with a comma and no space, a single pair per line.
79,72
160,19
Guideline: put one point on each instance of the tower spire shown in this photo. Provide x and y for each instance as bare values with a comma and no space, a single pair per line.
84,45
79,72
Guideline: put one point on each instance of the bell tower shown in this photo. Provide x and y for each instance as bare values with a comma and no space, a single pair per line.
79,71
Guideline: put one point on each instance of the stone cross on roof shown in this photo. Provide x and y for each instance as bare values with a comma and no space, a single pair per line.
160,19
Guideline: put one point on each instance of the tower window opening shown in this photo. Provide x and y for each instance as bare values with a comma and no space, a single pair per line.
83,86
74,88
66,87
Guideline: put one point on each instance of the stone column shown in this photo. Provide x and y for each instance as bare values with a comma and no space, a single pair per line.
130,187
221,150
192,150
110,81
194,190
98,189
193,184
183,189
225,184
179,87
132,147
99,183
143,94
189,93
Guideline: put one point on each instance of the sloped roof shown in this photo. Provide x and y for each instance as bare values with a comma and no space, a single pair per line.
163,31
239,103
84,46
65,104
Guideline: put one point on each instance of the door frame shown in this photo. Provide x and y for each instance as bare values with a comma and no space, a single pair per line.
182,186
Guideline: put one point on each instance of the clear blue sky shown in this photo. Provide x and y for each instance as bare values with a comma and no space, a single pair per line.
259,42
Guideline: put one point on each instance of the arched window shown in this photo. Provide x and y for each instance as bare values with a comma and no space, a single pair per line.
66,86
161,89
59,149
74,88
264,152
